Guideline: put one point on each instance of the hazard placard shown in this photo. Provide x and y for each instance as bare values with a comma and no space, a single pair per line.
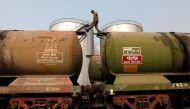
132,59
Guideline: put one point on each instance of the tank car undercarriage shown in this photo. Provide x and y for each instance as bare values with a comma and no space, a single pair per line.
100,96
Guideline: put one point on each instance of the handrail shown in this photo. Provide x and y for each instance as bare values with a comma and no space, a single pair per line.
121,22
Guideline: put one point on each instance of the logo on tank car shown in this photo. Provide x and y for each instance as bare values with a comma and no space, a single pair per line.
131,50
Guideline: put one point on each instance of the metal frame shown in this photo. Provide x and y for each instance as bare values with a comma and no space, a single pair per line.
141,101
40,89
52,102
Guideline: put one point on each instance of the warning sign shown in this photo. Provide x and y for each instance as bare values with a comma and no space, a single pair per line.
132,59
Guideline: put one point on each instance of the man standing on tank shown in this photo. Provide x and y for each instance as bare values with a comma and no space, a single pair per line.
94,22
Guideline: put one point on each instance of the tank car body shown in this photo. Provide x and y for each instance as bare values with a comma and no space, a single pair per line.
145,52
35,53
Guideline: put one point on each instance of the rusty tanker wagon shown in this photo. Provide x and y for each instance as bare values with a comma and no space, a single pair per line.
136,70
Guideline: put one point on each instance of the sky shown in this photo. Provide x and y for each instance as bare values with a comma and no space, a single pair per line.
154,15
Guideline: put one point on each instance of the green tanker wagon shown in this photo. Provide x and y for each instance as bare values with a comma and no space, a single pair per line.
144,70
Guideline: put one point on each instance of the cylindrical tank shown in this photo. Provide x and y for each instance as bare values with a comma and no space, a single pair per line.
140,52
67,24
34,53
123,26
72,24
95,69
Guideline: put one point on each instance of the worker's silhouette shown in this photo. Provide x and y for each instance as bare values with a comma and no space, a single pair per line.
94,22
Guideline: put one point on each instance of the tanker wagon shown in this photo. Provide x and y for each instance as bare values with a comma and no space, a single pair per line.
39,69
143,70
135,71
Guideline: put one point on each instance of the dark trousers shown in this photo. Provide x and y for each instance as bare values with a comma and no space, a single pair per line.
93,24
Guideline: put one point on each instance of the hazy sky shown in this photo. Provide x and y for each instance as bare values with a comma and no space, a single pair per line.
154,15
